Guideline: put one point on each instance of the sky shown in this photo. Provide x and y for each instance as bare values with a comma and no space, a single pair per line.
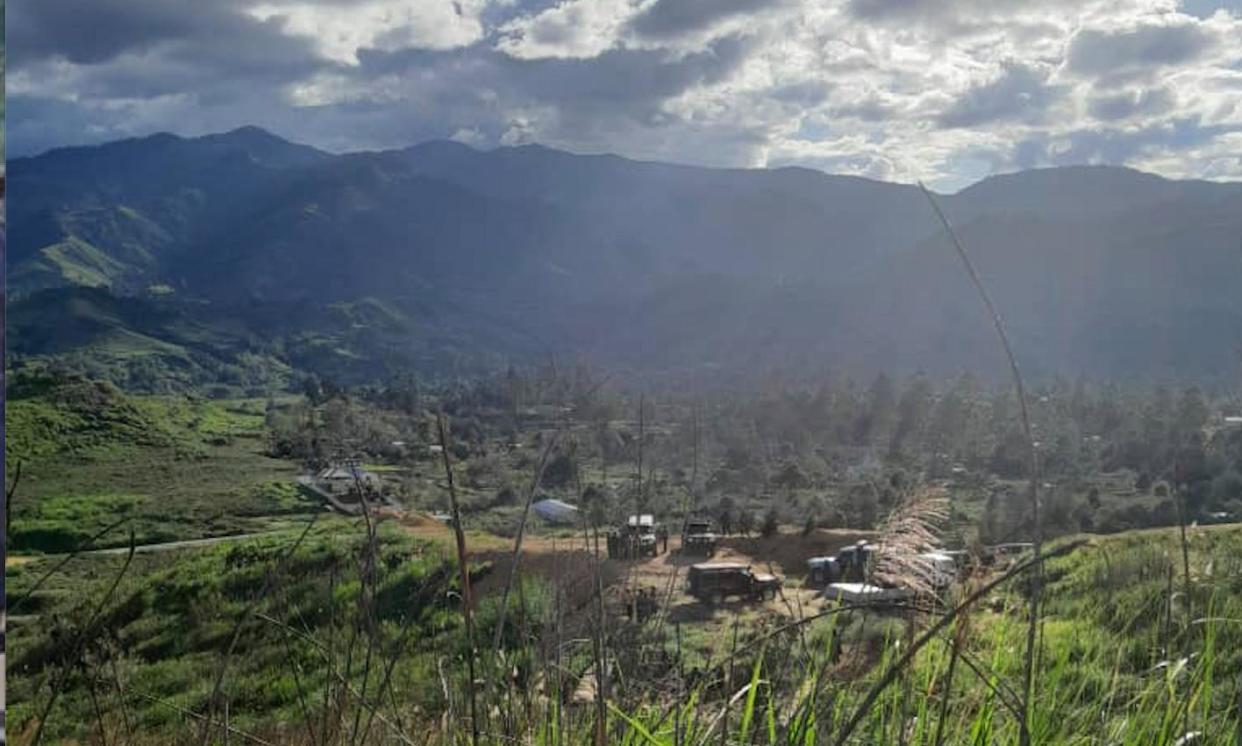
944,91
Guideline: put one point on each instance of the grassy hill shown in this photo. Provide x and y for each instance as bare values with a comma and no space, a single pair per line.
162,343
176,467
1126,656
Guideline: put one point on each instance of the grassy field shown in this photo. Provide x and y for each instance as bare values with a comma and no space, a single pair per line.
1127,656
176,468
312,637
164,633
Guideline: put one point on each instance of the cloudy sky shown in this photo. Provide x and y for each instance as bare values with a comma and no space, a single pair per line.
942,90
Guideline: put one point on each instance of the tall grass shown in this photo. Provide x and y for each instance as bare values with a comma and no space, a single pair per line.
857,676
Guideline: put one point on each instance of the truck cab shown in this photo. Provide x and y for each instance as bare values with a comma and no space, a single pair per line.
850,564
715,582
640,536
699,537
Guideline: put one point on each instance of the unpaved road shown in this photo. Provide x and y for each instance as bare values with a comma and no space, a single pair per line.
568,558
145,548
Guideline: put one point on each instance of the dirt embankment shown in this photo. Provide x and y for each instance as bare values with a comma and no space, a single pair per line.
787,552
569,562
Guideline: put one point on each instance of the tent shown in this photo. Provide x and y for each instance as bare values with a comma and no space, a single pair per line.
556,511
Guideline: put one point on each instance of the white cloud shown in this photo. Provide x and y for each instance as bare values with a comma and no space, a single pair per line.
938,90
576,28
340,30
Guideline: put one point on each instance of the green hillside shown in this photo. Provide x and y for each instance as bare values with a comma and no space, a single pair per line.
176,467
670,271
1126,658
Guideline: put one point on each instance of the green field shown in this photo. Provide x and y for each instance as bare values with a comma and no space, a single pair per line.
164,631
172,467
332,638
1124,658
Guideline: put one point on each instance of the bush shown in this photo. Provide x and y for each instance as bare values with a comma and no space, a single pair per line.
771,523
559,471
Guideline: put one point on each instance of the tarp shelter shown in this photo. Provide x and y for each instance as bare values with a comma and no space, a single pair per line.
556,511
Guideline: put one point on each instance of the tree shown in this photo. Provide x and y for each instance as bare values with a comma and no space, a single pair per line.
745,522
810,525
866,510
881,410
1192,413
913,414
725,515
771,523
1010,457
312,390
596,503
559,471
790,477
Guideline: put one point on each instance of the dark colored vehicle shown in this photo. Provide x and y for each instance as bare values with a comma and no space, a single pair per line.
714,582
850,565
699,538
1006,554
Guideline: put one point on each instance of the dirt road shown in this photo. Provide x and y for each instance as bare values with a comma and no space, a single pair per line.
569,559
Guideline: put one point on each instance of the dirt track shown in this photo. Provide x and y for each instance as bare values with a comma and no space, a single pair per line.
569,559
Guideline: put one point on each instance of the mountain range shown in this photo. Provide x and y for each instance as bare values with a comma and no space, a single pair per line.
244,256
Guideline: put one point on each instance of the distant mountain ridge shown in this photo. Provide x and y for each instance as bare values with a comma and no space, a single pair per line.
652,268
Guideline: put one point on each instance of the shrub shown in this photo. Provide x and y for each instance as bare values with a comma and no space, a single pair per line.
771,523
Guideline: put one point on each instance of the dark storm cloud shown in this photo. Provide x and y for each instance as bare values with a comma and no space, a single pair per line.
87,33
146,48
99,31
36,124
1021,93
951,16
889,9
617,77
1132,103
131,56
668,18
228,67
1096,52
626,74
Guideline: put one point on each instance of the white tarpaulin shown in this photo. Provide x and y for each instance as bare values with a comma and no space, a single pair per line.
556,511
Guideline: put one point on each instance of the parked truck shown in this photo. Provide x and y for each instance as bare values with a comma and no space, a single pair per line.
699,537
639,536
848,565
713,582
850,575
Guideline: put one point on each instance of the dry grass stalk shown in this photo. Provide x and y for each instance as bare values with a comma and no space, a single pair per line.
235,635
912,529
936,628
516,558
1024,737
79,645
463,568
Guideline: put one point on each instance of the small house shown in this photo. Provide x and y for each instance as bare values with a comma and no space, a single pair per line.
343,480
